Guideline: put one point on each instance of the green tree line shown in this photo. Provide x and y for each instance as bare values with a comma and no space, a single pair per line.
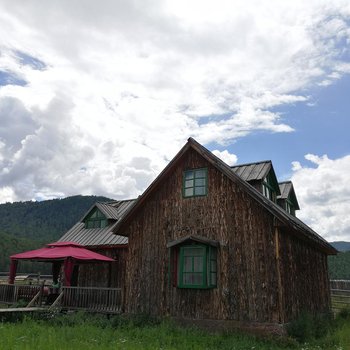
339,266
30,225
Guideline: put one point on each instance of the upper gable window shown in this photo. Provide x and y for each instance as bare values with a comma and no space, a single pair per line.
96,220
195,182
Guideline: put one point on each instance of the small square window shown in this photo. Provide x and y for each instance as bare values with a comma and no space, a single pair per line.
195,182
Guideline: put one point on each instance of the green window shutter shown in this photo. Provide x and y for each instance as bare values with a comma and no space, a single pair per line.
212,269
195,183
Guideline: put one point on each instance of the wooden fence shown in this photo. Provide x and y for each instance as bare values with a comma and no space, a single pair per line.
340,295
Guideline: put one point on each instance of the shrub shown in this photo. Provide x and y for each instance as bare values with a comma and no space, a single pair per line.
344,314
308,327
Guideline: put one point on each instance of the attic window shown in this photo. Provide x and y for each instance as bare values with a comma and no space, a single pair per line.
268,189
195,182
289,207
96,219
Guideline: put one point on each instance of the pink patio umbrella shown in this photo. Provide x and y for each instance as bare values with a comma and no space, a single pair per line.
67,252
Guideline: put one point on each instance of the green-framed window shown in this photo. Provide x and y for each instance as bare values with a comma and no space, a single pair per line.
268,190
290,207
195,182
197,266
96,219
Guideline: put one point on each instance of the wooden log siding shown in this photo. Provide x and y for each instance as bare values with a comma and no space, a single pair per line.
108,275
247,284
304,274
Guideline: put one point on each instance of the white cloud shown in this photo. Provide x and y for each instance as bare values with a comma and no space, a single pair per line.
131,81
324,195
226,156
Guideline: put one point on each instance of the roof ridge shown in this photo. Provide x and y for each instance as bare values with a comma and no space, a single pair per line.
116,201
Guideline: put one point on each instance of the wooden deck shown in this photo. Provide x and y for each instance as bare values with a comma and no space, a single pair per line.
22,309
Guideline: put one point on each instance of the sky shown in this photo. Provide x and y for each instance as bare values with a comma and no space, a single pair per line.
97,97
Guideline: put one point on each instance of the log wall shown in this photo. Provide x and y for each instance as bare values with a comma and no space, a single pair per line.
106,275
304,274
246,281
259,279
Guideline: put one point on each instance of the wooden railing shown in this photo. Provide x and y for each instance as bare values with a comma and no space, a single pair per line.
96,299
12,293
108,300
8,293
340,295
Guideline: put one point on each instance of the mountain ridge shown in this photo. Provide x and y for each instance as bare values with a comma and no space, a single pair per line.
29,225
341,246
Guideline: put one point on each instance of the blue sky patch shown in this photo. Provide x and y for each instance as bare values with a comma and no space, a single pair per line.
8,78
320,129
30,61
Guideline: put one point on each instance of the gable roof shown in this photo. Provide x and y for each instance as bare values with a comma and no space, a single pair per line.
287,191
100,236
111,210
300,229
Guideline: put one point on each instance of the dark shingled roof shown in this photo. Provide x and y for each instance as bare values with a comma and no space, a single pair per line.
253,171
285,188
100,236
287,191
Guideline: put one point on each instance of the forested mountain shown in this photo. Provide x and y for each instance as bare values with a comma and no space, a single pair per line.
29,225
46,220
341,246
339,266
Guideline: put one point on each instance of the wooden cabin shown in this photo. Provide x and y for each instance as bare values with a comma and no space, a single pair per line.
207,241
95,231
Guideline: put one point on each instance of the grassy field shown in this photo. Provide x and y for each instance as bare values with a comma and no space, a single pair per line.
86,332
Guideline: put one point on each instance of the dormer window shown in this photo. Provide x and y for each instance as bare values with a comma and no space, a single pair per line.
96,220
289,207
287,199
195,182
268,189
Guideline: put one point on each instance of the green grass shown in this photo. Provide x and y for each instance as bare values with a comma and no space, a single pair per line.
86,332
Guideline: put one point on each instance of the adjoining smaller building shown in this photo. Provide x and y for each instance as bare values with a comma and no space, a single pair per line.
95,232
